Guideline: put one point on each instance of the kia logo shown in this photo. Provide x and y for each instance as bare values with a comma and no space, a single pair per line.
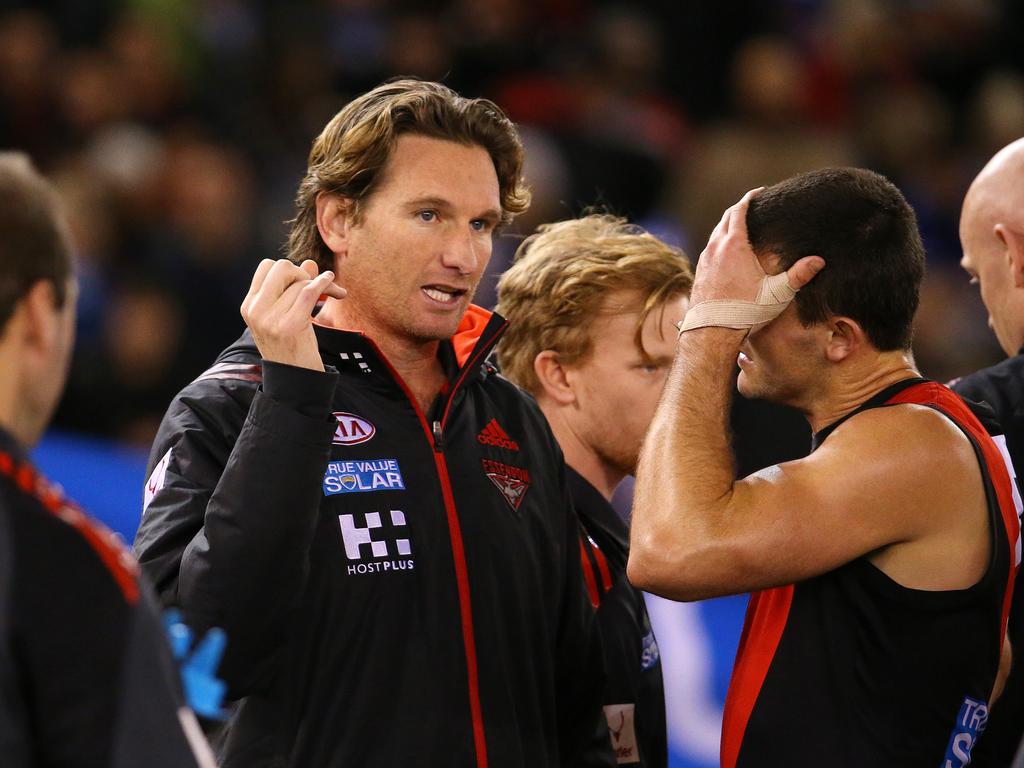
352,429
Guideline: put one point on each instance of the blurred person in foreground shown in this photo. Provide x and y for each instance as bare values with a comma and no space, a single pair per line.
379,522
882,564
86,678
592,305
992,236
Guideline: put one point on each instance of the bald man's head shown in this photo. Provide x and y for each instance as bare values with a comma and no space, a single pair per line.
992,237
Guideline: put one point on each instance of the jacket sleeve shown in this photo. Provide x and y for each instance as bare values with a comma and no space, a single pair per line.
232,504
583,729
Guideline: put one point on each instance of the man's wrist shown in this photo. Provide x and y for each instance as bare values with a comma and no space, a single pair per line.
715,336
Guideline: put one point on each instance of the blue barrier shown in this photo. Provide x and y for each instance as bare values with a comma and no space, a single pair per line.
102,476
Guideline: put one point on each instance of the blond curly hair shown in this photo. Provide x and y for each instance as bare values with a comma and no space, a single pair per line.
561,277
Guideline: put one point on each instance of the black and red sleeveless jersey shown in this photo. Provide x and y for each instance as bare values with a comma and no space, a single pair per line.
850,668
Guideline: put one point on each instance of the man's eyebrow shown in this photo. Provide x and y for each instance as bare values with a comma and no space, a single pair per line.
647,359
429,202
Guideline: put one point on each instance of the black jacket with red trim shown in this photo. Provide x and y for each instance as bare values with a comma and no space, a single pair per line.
634,694
86,678
398,588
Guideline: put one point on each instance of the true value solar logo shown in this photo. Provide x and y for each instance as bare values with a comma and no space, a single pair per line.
363,476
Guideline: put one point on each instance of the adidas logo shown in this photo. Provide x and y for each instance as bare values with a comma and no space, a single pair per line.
493,434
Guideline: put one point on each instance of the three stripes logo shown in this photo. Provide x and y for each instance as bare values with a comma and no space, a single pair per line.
494,435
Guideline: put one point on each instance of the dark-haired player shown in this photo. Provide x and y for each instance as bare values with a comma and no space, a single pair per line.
881,564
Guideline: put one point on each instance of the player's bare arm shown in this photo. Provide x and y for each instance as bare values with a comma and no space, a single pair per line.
698,533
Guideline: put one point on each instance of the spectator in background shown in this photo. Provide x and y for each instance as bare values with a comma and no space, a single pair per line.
609,87
592,305
769,137
85,676
992,233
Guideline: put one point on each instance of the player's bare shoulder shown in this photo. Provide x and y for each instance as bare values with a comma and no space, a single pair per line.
921,436
917,460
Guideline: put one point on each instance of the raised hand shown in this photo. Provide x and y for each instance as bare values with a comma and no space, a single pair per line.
730,287
278,310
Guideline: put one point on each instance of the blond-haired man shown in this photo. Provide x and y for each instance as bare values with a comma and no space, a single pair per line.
592,304
375,518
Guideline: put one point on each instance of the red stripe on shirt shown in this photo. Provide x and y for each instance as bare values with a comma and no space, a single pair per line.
952,405
588,575
766,619
602,565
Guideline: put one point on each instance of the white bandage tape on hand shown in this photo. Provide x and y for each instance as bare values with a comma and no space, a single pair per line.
772,298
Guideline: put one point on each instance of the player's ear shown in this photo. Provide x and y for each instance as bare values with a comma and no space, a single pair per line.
1013,242
554,378
845,336
334,220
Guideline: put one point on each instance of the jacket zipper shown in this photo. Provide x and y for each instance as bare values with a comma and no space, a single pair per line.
435,436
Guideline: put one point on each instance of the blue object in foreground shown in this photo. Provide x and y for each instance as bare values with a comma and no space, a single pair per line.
204,691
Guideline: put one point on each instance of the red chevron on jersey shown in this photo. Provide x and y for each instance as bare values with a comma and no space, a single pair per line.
493,434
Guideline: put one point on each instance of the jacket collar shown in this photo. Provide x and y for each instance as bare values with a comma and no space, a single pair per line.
463,355
594,510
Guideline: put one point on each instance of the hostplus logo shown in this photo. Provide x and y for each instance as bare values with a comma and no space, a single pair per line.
382,547
493,434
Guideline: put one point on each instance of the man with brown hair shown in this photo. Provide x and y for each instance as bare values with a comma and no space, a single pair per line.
86,678
593,304
376,519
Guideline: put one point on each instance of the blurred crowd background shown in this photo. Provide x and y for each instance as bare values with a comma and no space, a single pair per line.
177,131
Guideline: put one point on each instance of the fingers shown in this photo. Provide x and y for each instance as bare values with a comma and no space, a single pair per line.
306,296
260,275
721,228
334,291
801,273
734,220
277,285
738,215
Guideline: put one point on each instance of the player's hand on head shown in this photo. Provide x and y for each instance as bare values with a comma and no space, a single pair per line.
278,310
730,282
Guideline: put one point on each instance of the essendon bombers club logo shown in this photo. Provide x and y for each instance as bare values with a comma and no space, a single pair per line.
352,429
493,434
513,482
